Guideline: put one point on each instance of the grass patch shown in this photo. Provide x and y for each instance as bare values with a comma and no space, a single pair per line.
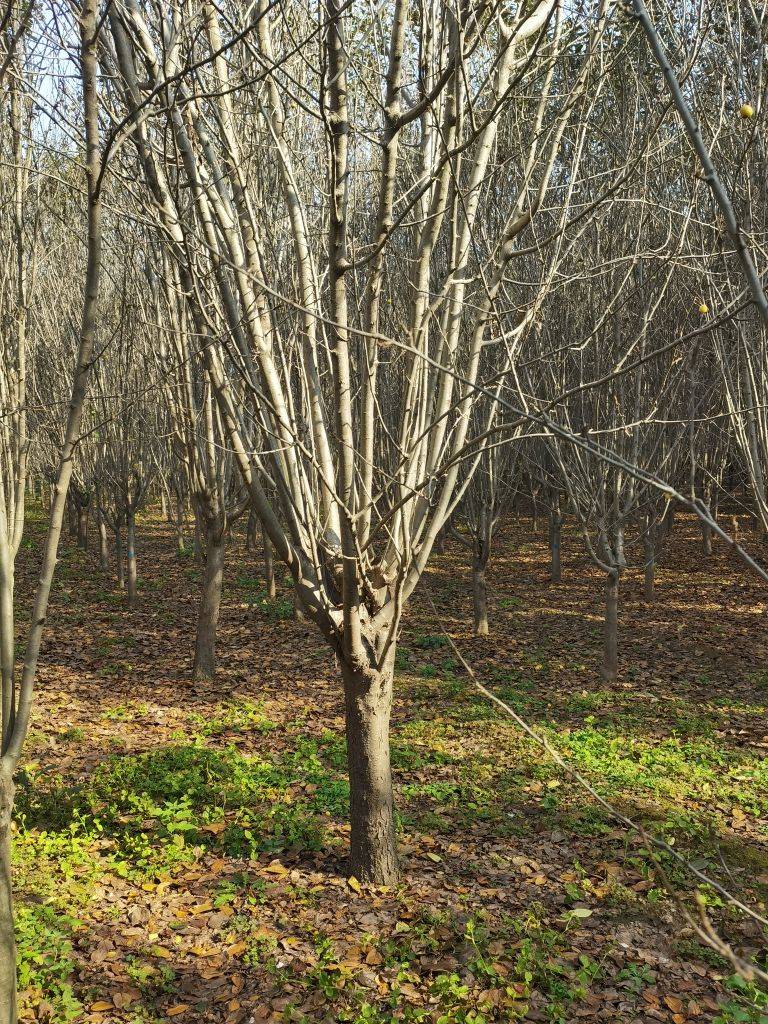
157,808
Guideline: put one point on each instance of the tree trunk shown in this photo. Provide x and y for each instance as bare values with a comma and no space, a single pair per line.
555,528
204,666
706,538
649,584
250,532
7,942
480,599
198,541
82,527
269,568
611,640
71,518
669,520
6,643
130,555
368,700
119,556
179,528
103,549
439,545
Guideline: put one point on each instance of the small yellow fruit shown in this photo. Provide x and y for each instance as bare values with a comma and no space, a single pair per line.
747,110
703,309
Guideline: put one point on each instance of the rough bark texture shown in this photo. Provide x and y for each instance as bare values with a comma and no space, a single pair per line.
208,616
7,942
611,641
373,851
480,600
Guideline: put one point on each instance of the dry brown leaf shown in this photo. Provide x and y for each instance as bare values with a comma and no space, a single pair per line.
674,1004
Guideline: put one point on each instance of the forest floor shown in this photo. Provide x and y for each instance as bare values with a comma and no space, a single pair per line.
180,848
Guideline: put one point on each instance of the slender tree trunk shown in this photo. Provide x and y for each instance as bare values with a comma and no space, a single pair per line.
555,529
611,639
439,545
669,521
103,549
250,532
480,598
204,666
197,544
130,555
649,554
179,527
119,556
7,942
164,505
82,526
269,568
7,638
368,699
71,518
706,538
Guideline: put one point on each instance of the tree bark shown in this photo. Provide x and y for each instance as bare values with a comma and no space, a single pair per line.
706,539
71,518
119,556
8,1013
7,636
130,554
649,583
269,567
368,700
555,528
179,527
439,545
250,532
611,639
204,666
480,599
197,544
103,549
82,527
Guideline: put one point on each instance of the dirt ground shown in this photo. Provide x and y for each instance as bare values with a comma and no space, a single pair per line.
180,848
